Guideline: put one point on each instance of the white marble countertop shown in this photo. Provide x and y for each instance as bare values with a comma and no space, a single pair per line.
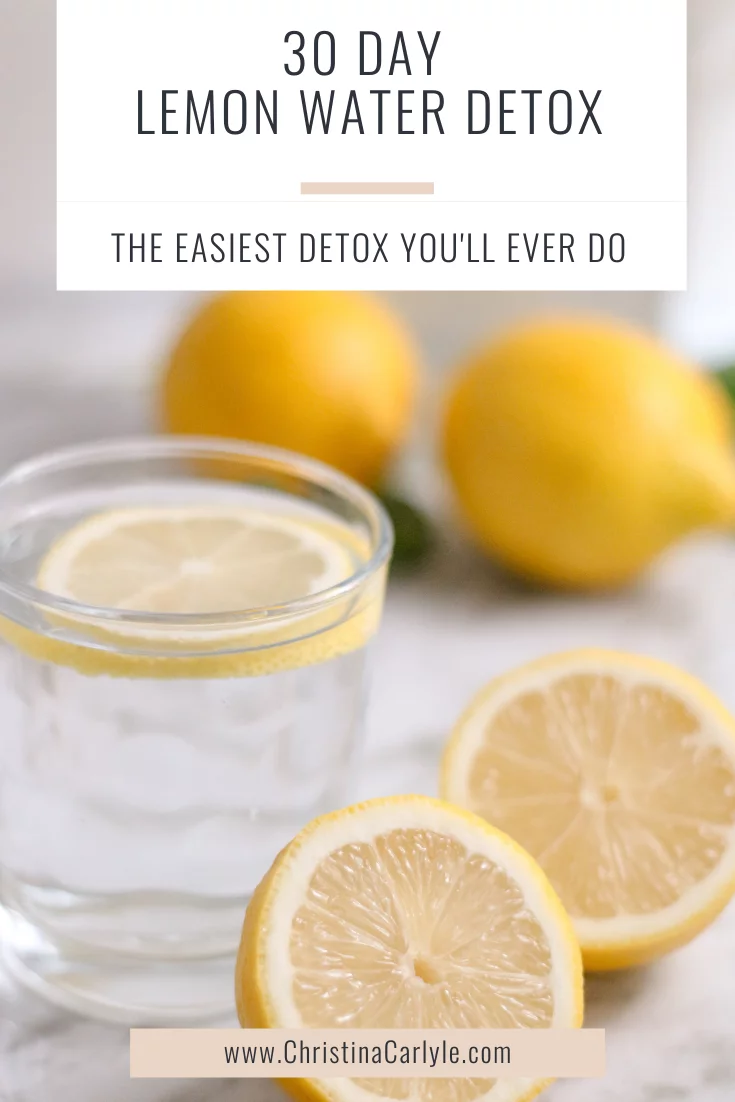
670,1028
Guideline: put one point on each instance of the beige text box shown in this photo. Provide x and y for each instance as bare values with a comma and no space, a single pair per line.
366,1053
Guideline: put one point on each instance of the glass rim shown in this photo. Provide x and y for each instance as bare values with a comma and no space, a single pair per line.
144,447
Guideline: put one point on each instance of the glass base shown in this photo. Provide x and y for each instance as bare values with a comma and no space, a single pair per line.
116,988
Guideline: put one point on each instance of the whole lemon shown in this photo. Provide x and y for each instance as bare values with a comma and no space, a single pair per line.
580,449
329,374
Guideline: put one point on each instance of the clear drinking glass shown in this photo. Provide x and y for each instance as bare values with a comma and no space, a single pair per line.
151,765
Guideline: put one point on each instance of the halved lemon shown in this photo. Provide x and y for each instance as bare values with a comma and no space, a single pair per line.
204,560
407,912
618,774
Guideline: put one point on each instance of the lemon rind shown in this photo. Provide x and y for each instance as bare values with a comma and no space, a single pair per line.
109,659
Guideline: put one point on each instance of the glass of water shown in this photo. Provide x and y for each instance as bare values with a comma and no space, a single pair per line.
186,630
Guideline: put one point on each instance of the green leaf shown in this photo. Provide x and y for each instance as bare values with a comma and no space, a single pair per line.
415,535
726,376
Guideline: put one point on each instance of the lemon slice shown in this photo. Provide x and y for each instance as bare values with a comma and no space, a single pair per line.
407,913
198,559
618,774
205,560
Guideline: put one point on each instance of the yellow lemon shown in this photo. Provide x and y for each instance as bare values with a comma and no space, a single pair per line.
407,913
617,773
330,375
579,450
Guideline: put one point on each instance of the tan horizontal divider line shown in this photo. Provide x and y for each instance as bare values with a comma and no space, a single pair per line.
367,1053
367,189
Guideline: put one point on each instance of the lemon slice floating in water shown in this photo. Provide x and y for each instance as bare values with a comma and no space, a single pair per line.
194,559
241,563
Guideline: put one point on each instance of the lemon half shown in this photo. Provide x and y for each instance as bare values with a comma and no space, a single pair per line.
618,774
407,912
